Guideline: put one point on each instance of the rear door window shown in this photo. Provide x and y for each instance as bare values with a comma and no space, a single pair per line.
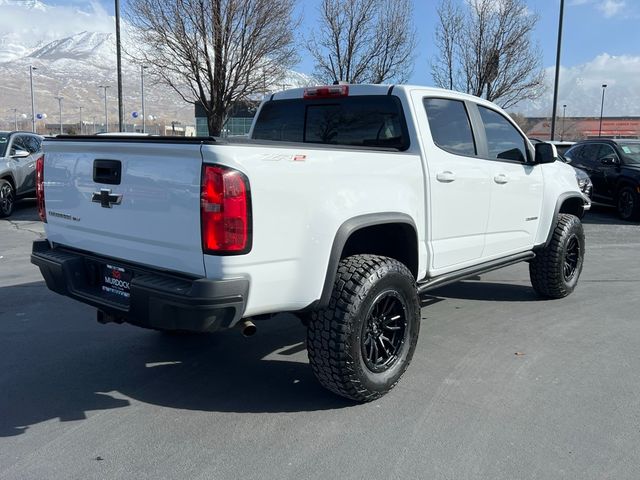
450,126
504,142
359,121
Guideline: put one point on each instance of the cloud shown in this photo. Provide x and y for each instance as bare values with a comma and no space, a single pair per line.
611,8
581,88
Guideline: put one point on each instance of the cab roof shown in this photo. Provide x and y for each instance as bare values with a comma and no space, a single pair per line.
381,89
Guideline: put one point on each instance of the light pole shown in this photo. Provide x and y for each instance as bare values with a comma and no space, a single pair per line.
564,114
555,85
106,113
60,111
119,66
33,101
15,118
604,87
80,107
142,69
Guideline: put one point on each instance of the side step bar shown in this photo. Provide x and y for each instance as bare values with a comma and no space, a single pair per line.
453,277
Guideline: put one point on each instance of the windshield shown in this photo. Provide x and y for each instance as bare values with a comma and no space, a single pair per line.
631,152
4,138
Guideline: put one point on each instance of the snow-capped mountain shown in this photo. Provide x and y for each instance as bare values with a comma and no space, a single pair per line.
72,61
86,46
26,25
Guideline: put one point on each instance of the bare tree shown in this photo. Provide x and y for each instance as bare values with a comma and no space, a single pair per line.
215,52
363,41
448,32
486,50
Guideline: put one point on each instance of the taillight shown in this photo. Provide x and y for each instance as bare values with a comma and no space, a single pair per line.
329,91
225,209
40,188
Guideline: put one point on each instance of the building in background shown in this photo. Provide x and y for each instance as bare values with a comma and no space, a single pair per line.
238,122
583,128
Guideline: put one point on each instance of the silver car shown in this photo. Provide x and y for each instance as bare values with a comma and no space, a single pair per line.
18,154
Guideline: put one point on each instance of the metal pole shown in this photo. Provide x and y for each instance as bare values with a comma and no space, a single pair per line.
604,86
33,101
555,85
80,120
564,114
144,120
60,109
119,67
15,118
106,113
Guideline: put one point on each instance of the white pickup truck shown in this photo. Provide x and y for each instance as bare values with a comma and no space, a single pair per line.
345,204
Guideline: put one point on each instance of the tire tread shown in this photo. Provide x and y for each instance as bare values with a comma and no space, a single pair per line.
330,328
544,270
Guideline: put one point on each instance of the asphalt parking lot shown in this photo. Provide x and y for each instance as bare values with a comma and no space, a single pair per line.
502,385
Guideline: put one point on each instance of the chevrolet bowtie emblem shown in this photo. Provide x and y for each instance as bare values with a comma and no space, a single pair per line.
106,199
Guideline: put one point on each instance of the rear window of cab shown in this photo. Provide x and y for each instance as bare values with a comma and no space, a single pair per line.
359,121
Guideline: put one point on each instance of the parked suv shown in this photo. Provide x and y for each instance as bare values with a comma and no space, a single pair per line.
614,169
18,154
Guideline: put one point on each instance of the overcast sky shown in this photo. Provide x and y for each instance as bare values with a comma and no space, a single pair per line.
601,45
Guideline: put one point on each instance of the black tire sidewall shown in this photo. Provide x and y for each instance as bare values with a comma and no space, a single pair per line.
4,183
547,268
634,210
576,231
405,288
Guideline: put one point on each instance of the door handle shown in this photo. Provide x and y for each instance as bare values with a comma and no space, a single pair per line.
501,179
446,176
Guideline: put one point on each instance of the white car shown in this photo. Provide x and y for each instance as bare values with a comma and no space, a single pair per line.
347,202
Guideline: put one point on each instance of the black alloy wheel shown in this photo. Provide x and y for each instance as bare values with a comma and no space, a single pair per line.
384,331
628,205
571,258
7,198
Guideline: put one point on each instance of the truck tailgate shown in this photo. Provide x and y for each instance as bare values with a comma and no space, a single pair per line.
148,213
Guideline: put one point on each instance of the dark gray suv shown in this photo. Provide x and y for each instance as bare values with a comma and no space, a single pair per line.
614,169
18,154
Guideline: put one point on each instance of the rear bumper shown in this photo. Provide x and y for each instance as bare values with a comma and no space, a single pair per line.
157,299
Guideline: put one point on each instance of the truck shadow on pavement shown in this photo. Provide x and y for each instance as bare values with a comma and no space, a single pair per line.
57,362
487,291
604,215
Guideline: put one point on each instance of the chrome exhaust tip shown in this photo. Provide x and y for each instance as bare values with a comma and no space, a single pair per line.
248,328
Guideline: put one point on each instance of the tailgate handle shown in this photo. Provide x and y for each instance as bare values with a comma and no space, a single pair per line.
107,171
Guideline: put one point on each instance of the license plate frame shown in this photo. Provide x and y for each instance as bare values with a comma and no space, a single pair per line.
115,282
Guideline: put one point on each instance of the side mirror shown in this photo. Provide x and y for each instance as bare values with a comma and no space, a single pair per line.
545,153
20,154
610,160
